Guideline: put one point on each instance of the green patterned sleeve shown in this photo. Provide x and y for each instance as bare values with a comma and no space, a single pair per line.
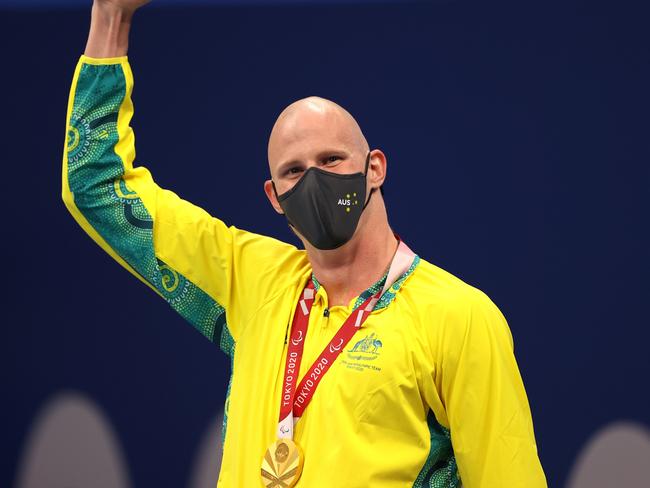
116,204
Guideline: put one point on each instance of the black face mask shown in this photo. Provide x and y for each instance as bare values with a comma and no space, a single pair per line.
325,207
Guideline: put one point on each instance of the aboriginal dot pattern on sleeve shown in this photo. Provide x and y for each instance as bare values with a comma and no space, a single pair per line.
440,469
227,345
96,178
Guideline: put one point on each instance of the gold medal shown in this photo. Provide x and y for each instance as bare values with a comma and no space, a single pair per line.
282,464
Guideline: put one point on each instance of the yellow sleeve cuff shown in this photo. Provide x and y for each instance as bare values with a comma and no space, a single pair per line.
101,61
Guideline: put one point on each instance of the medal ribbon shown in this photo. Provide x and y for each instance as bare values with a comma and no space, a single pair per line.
296,398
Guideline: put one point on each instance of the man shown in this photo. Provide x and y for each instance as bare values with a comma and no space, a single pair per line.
354,362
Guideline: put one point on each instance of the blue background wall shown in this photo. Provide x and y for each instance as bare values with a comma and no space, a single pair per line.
517,138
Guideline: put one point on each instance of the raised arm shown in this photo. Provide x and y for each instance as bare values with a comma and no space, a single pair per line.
203,268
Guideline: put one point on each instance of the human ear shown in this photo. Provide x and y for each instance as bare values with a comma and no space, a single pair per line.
376,169
272,196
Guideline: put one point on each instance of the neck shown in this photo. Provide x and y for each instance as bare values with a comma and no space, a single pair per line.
349,270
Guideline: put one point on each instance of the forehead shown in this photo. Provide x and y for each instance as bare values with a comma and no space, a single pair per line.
301,134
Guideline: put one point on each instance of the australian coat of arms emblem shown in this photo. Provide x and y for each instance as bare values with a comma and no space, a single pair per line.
367,348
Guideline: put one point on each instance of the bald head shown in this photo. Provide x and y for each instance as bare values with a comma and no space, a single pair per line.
317,133
313,126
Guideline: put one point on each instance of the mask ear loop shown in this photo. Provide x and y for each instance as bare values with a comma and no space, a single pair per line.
366,174
276,193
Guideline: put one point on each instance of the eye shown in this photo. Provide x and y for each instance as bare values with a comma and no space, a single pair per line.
332,159
293,170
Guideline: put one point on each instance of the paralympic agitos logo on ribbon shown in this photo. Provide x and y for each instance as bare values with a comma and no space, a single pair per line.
298,339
